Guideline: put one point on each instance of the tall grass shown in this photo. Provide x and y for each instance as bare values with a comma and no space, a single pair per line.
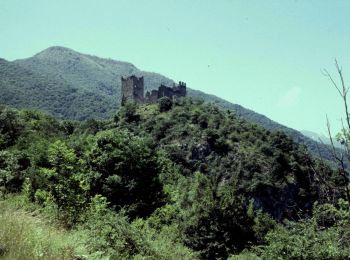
24,235
28,231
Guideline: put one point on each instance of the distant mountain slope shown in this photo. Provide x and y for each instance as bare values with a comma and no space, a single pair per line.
25,88
73,85
320,138
88,72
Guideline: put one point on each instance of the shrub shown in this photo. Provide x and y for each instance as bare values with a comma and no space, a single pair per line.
126,172
165,104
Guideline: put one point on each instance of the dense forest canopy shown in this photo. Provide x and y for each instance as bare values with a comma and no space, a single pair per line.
178,179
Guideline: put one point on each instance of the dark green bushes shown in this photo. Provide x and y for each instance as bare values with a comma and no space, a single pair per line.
178,182
126,172
11,127
165,104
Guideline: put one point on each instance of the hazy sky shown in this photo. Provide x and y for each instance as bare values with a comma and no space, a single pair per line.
264,55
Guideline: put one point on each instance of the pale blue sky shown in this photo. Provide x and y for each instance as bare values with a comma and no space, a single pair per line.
264,55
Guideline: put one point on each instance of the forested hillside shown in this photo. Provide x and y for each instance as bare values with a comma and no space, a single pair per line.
89,73
23,88
72,85
172,180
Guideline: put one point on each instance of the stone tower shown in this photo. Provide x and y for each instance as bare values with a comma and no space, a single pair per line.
180,90
132,89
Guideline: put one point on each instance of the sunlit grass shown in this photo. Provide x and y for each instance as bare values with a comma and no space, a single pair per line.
26,236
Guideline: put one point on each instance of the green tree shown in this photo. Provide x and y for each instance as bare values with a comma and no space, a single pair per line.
129,112
310,238
215,222
64,181
10,127
126,172
13,167
165,104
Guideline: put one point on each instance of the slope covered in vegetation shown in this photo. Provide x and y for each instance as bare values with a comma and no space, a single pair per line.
23,88
180,180
27,234
72,85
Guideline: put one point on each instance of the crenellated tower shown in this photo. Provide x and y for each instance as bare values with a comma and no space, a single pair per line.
132,89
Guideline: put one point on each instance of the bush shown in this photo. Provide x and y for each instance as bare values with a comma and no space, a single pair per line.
126,172
128,112
62,182
111,235
165,104
325,236
11,127
13,166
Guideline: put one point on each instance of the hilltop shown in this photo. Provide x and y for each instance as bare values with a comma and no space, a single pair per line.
72,85
170,180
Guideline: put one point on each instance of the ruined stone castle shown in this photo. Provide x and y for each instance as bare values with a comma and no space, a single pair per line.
133,90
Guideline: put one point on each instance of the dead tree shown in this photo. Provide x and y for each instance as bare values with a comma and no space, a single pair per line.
344,137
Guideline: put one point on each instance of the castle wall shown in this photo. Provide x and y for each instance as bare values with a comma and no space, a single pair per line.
165,91
139,90
180,90
127,90
153,96
133,90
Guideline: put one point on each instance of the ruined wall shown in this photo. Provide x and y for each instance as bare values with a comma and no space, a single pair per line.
165,91
151,97
180,90
132,89
127,90
139,90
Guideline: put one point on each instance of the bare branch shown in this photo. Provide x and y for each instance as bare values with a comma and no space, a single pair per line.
328,75
340,72
346,141
331,139
340,160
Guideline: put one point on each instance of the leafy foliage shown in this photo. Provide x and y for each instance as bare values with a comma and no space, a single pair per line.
189,181
125,171
311,238
72,85
165,104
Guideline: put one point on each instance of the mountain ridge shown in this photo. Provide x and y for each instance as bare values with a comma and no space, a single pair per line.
90,88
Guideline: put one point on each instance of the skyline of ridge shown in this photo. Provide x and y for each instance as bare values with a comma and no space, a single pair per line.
264,56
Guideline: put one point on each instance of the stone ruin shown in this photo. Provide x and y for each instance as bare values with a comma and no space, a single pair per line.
133,90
